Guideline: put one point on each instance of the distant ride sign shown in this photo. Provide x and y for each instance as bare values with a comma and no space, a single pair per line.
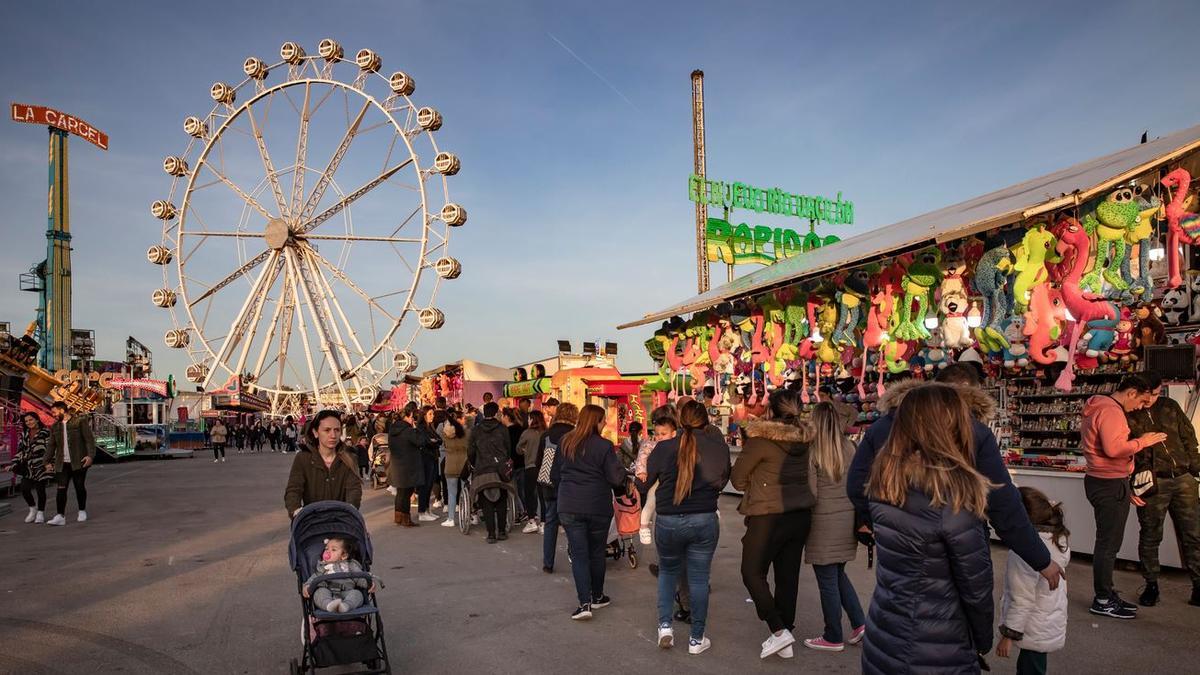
37,114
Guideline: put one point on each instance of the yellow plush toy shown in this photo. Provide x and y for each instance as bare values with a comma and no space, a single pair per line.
1035,250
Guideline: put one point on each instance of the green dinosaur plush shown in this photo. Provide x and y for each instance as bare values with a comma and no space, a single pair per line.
922,276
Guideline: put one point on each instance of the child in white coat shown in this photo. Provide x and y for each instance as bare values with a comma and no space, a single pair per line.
1033,616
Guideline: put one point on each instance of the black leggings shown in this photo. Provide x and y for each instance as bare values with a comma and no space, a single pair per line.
775,540
218,450
404,499
65,477
28,487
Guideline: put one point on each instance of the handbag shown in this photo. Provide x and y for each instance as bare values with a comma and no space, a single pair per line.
1142,482
543,475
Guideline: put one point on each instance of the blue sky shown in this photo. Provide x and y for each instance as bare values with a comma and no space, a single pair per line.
572,120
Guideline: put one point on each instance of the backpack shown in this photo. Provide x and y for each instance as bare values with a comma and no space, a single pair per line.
543,475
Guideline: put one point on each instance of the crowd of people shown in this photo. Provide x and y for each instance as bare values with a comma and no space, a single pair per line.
920,496
252,435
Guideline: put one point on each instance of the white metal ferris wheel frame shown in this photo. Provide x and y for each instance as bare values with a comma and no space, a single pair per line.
305,284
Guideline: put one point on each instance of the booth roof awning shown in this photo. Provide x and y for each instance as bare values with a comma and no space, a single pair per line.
1068,187
475,371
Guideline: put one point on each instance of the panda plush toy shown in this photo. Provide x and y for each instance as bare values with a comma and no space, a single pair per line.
1176,303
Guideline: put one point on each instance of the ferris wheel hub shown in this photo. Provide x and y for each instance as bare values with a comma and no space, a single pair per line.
277,234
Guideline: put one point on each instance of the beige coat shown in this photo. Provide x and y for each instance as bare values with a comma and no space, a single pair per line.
831,539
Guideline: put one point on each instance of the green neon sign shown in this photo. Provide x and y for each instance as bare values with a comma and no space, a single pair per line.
741,244
816,210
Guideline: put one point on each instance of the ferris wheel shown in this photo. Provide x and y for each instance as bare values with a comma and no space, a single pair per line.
308,218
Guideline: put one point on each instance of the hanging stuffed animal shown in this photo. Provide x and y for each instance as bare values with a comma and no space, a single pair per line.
1015,354
1037,248
1150,328
1043,323
851,294
1141,289
1074,246
953,305
991,278
828,353
1183,227
919,281
1115,217
933,356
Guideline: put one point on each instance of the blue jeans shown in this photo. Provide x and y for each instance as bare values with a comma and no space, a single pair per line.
837,593
691,537
587,537
549,531
452,497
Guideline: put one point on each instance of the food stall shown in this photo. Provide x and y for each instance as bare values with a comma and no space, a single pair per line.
1057,287
464,381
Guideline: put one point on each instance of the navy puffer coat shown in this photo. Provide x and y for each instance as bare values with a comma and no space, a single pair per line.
932,609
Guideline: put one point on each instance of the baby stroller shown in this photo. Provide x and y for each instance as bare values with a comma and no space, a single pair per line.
335,639
627,520
466,508
379,470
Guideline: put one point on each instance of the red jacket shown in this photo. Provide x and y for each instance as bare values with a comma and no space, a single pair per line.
1106,444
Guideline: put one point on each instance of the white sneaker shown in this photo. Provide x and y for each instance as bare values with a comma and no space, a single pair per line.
645,536
474,520
215,461
776,642
223,459
82,516
40,518
32,513
541,528
785,653
391,490
449,522
700,647
426,517
437,504
666,637
529,528
57,520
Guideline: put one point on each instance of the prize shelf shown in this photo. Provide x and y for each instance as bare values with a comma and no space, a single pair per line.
1027,402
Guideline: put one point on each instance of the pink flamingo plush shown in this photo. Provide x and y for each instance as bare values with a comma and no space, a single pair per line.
1182,226
1074,245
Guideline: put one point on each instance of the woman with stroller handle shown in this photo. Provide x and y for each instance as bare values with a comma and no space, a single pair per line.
589,472
454,439
527,447
831,542
691,470
777,501
327,470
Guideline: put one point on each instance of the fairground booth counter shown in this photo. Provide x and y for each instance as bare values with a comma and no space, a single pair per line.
1057,287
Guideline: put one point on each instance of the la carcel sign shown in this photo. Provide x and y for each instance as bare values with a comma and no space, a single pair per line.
742,243
36,114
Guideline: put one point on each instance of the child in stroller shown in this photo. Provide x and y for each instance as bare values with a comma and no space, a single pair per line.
338,595
330,552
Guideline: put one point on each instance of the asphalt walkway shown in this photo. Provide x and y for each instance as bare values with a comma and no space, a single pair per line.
182,568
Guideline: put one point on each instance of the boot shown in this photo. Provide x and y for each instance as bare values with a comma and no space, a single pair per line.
1149,596
408,521
1195,595
398,517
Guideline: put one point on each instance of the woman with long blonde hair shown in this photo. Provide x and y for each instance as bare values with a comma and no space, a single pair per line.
590,470
691,469
831,543
932,608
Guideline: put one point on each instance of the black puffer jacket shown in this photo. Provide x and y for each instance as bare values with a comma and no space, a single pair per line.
932,609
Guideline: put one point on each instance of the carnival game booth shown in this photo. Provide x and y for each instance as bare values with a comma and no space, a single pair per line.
464,382
1057,287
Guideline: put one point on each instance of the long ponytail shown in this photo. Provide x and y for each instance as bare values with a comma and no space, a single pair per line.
693,418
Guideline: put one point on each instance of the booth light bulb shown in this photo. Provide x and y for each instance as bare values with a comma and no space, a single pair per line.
931,322
816,336
1157,253
884,337
974,321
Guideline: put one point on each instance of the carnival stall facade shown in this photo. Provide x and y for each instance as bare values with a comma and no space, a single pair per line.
1056,287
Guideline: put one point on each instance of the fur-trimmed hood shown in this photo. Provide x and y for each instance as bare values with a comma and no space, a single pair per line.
780,432
982,407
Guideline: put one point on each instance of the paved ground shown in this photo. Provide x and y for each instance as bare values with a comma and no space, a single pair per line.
183,569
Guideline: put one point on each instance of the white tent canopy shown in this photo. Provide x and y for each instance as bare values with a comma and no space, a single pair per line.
1049,193
475,371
